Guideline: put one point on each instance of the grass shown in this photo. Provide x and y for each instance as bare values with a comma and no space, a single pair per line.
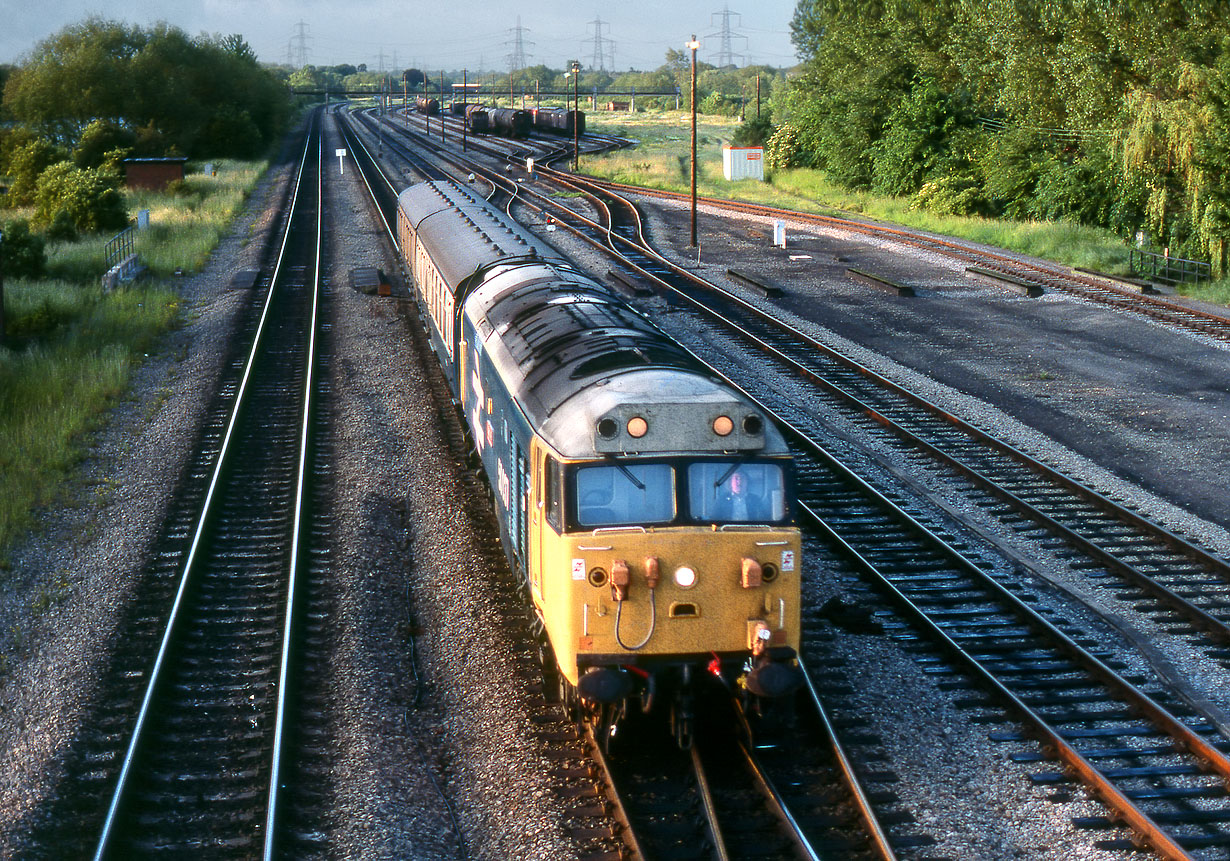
71,349
662,159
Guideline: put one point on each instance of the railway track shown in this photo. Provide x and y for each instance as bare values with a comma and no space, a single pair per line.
835,818
1047,276
1182,739
930,598
1160,565
201,707
203,767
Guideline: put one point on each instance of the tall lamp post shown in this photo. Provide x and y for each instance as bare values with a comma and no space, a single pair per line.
693,45
576,135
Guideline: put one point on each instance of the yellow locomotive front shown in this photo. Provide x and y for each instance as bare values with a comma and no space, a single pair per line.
671,548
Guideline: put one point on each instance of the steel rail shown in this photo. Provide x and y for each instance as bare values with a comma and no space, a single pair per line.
134,744
712,823
866,811
778,803
1088,287
272,806
614,796
1218,628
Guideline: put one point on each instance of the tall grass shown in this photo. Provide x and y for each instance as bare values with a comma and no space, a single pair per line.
71,350
662,159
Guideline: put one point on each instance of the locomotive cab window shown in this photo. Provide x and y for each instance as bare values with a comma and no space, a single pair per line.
625,494
551,494
736,492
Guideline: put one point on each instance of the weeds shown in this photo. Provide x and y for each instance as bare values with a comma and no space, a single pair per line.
71,350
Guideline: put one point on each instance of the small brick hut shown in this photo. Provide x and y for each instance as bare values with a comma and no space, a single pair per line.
153,173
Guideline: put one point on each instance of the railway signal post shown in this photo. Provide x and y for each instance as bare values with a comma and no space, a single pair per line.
693,45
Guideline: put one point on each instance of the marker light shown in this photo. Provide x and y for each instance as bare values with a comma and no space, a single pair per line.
722,425
685,577
637,427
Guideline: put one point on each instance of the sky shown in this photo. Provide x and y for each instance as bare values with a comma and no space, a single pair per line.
481,34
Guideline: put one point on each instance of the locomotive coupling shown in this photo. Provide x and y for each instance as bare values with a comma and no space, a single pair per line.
753,574
621,577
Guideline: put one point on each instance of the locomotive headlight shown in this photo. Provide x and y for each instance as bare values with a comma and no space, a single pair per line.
685,577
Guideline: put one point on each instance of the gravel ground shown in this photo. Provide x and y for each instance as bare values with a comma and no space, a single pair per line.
959,784
413,566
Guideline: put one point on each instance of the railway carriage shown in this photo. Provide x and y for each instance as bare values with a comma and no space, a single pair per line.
559,120
645,504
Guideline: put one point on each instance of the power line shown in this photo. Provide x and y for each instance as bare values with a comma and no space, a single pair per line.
301,39
725,55
516,60
604,48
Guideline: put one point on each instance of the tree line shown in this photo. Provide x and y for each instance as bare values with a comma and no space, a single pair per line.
1106,112
100,91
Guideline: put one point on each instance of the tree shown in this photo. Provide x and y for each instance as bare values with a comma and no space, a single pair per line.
157,78
414,78
89,201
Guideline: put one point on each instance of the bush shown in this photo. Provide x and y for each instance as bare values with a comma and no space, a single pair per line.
24,254
951,194
753,132
786,149
91,201
721,105
62,228
26,165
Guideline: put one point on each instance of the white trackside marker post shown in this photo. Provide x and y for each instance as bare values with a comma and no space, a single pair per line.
341,165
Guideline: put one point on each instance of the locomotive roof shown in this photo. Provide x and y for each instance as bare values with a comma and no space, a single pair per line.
462,232
573,353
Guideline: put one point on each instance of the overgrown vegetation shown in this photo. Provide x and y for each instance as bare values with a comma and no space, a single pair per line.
661,161
71,349
88,97
1113,115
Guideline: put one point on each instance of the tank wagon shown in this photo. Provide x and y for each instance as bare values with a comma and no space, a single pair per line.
645,505
510,122
427,105
559,120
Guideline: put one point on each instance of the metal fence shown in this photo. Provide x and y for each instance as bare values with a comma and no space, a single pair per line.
121,246
1166,268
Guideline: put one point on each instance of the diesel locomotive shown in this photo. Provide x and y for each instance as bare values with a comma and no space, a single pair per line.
646,505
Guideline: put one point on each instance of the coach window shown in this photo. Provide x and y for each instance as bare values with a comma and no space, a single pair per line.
623,494
551,495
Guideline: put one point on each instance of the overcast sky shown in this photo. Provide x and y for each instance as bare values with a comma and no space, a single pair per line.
472,35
